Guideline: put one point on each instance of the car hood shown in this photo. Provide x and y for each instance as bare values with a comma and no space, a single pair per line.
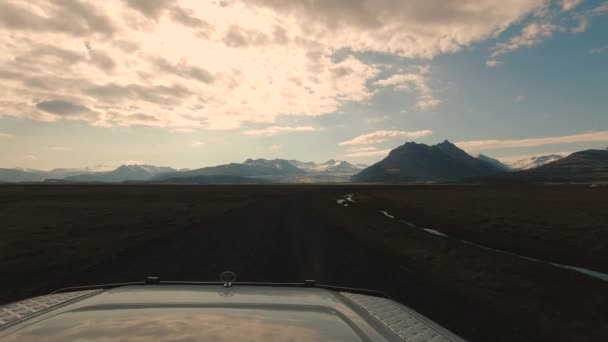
215,313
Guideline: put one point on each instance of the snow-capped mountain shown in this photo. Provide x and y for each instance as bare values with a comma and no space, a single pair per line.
533,162
330,166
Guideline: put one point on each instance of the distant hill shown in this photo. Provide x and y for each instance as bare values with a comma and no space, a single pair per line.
31,175
532,162
249,168
414,162
21,175
273,170
494,162
122,174
583,166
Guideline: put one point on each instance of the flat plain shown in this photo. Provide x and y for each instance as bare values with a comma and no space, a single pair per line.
53,236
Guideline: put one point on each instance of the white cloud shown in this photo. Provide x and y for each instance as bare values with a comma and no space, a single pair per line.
600,136
382,136
5,135
118,62
29,157
532,34
493,63
543,25
570,4
599,50
373,153
196,143
362,149
520,98
272,130
416,81
276,147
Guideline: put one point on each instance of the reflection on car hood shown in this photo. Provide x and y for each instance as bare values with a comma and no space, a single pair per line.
215,313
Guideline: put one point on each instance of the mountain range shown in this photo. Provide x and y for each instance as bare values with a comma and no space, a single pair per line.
414,162
409,163
532,162
583,166
271,171
249,171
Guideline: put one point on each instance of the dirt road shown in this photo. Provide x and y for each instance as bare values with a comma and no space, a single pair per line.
302,233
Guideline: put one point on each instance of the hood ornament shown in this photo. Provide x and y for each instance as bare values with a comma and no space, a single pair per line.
227,277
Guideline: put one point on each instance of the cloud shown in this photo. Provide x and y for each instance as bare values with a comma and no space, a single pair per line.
415,29
382,136
600,136
601,9
376,119
570,4
493,63
197,143
371,153
362,149
276,147
416,81
272,130
543,24
598,50
6,135
30,157
152,9
85,18
183,70
202,64
532,34
520,98
60,107
366,151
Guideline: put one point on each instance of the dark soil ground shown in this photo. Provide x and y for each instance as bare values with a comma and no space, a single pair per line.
52,236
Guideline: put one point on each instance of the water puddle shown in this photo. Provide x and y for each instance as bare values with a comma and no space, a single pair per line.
387,214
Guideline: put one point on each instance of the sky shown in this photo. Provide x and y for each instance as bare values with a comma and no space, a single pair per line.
193,83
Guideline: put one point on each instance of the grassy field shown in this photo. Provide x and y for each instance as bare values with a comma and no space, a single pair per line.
564,224
53,236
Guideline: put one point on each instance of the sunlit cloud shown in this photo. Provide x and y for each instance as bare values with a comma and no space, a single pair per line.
196,143
600,136
373,153
382,136
272,130
417,82
276,147
5,135
570,4
119,62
